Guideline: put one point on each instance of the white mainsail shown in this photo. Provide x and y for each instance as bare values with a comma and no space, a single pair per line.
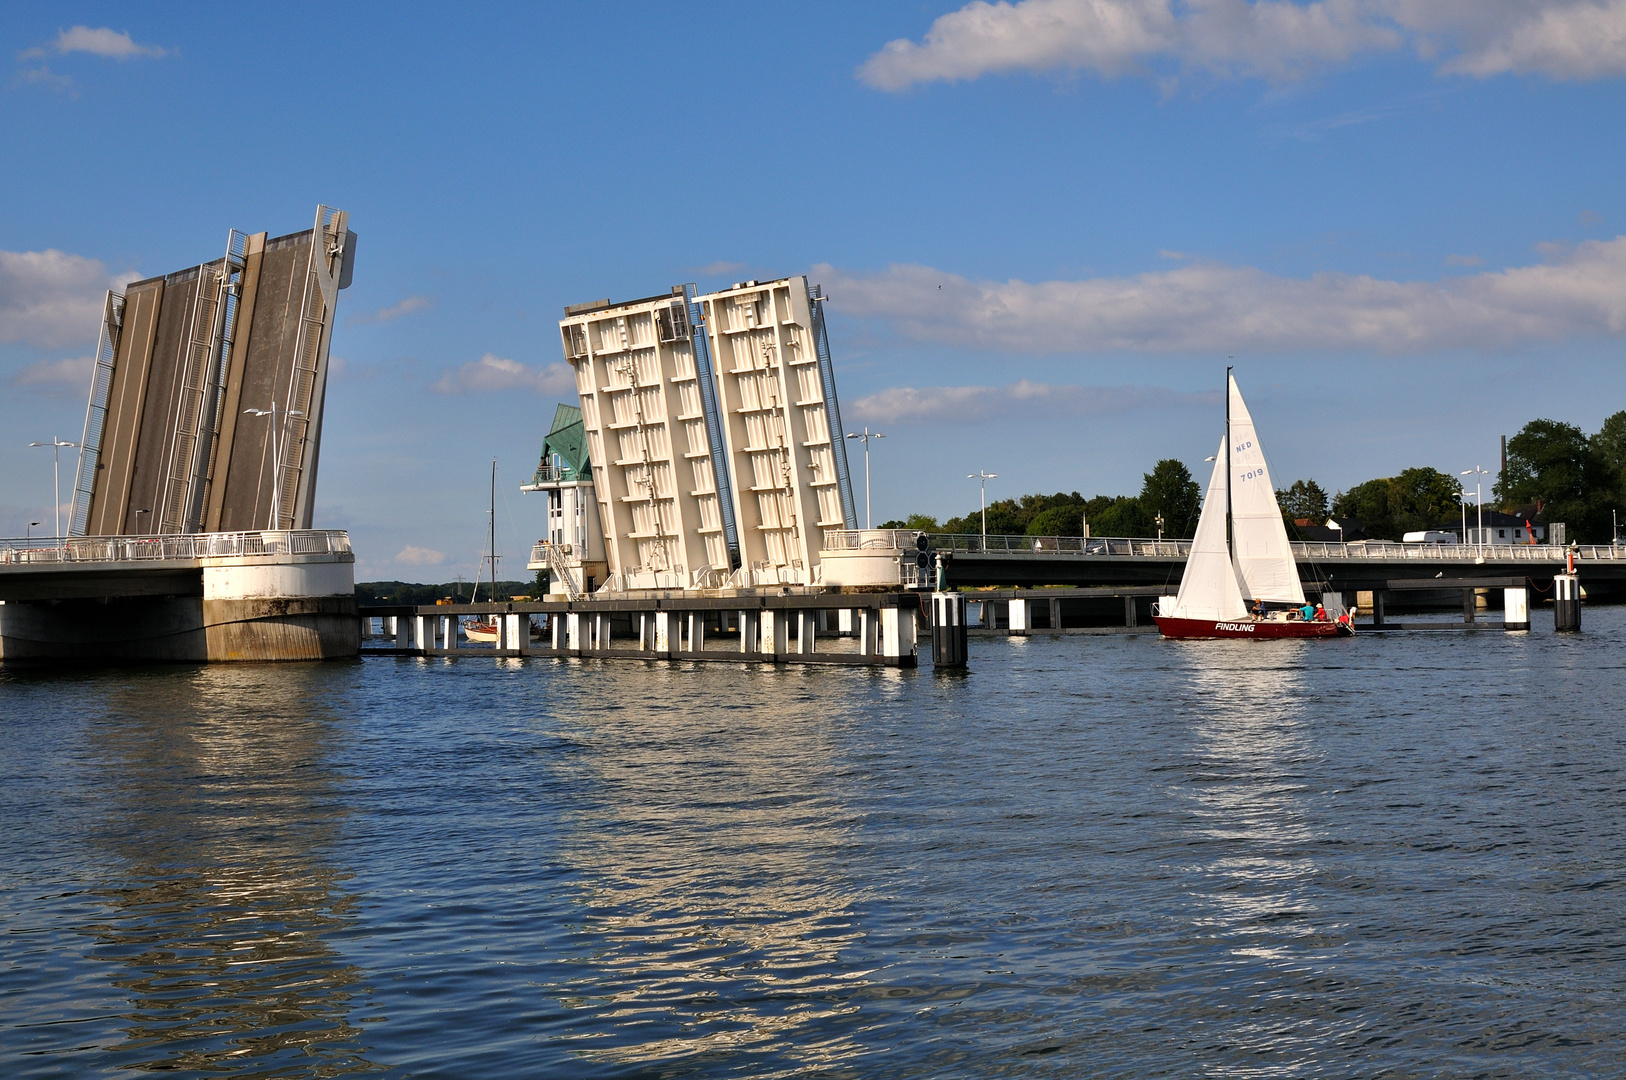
1264,558
1209,589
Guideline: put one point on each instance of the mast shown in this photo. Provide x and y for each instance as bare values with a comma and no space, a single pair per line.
491,520
1229,548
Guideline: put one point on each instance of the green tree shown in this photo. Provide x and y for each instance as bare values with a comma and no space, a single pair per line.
1170,491
1123,516
1058,521
1392,506
919,522
1555,466
1305,499
1610,443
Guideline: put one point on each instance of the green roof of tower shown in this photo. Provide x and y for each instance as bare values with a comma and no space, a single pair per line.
566,440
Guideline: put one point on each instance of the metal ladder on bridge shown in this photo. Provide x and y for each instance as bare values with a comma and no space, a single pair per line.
203,376
313,318
558,567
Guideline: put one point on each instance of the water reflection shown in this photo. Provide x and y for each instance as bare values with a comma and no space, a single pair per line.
221,909
715,918
1253,719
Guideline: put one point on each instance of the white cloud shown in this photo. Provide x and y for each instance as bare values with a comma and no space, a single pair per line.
68,377
1274,39
909,405
420,556
492,372
99,41
388,314
1206,308
52,299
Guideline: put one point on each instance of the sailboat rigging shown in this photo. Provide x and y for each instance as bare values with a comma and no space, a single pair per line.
1241,561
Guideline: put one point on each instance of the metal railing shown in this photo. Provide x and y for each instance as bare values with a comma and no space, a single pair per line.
554,474
1388,550
186,547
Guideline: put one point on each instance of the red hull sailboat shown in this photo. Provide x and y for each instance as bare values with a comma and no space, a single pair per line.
1241,561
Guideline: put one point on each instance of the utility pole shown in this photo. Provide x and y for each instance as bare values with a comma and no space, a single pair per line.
865,437
984,477
56,446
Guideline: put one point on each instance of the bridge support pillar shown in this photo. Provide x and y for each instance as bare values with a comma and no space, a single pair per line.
844,622
663,643
1021,616
899,647
1515,609
775,633
806,630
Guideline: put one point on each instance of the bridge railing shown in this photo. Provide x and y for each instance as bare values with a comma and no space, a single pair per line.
976,544
174,547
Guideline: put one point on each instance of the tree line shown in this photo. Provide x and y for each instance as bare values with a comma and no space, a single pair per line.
1555,472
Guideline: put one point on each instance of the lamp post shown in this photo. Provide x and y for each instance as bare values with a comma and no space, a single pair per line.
864,438
56,446
276,454
1479,502
138,514
983,477
1462,498
32,525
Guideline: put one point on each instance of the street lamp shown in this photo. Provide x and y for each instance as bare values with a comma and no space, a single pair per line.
56,446
276,454
32,525
138,514
1479,501
864,438
1462,497
984,477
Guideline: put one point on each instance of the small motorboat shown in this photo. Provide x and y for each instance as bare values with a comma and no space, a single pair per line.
487,630
1241,561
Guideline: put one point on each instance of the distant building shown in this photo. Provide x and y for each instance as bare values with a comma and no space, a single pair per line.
1333,531
574,546
1503,528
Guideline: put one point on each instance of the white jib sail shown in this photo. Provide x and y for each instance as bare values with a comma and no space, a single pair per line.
1264,558
1209,589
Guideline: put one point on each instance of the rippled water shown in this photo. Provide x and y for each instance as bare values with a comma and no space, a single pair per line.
1113,857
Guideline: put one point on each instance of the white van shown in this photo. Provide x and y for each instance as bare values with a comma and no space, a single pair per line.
1429,536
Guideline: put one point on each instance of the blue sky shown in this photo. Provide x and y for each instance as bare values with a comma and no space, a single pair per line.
1045,226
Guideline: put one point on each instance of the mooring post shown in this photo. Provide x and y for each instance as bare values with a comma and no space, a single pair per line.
948,630
1055,615
1131,614
1566,604
1377,607
1468,606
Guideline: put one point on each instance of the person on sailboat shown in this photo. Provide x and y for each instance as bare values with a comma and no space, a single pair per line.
1259,609
1320,613
1307,612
